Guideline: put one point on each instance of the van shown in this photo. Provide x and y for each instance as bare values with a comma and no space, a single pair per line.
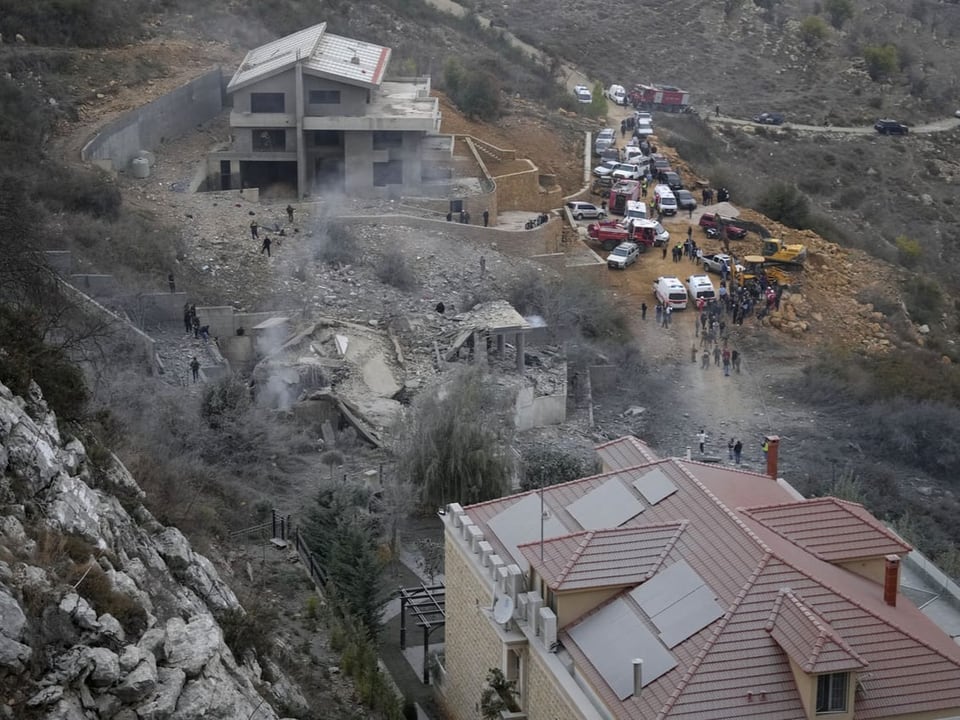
670,291
617,94
636,209
701,286
665,200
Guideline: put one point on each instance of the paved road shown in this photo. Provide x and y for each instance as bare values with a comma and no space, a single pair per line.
933,127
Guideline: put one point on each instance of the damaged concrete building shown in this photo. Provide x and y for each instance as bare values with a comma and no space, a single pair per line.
314,110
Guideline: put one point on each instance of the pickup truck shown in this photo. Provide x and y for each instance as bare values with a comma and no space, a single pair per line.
623,255
715,263
709,222
608,234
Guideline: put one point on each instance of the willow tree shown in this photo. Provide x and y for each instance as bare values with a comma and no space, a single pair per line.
455,442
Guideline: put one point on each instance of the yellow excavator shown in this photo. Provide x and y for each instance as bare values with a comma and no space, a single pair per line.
776,251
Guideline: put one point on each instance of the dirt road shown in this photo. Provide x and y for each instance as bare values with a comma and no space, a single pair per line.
936,126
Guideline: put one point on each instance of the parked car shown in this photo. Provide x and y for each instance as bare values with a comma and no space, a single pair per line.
582,93
605,168
673,181
715,263
623,255
710,221
685,199
627,171
617,94
665,199
643,129
890,127
660,162
642,115
581,210
769,118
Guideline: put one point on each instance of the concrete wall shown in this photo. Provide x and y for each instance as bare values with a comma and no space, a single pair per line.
224,320
522,191
60,261
521,243
156,308
533,412
149,126
96,285
353,100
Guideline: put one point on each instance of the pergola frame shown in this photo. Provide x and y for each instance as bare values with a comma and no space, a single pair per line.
426,603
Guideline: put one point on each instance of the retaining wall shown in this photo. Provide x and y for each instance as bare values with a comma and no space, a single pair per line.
160,307
541,240
149,126
96,285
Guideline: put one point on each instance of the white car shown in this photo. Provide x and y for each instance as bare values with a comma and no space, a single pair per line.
582,93
701,286
623,255
643,115
581,210
617,94
643,129
627,171
605,168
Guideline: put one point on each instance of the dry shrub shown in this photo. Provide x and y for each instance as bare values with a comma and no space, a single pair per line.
93,584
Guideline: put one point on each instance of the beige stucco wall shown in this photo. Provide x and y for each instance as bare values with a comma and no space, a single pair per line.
472,646
573,605
872,569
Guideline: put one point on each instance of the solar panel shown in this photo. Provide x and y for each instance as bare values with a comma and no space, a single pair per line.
520,523
678,602
606,506
687,616
666,587
612,637
655,486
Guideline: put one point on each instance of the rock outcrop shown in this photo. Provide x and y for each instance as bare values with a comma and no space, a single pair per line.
104,612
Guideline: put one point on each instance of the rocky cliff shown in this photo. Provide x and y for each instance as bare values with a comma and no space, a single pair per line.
104,612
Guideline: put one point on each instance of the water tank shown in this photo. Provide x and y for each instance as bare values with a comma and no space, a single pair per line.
140,167
148,156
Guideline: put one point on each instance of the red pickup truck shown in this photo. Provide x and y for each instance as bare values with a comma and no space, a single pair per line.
710,221
609,233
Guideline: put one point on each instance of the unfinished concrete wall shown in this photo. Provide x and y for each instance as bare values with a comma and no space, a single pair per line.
533,412
60,261
96,285
149,126
159,307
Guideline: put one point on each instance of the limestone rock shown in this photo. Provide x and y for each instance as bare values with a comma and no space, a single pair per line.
152,642
105,669
163,702
191,645
111,628
174,548
79,611
72,456
12,619
130,657
140,682
47,696
202,577
14,655
75,508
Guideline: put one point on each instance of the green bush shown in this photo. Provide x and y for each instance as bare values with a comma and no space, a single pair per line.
813,31
224,400
882,61
543,466
96,588
246,630
924,299
839,11
908,251
786,204
83,191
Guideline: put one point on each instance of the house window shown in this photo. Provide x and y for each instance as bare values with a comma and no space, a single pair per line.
386,139
324,138
267,103
269,140
388,173
324,97
832,693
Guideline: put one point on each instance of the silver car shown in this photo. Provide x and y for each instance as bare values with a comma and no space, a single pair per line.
581,210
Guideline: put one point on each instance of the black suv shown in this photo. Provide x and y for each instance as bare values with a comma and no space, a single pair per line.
769,118
672,180
890,127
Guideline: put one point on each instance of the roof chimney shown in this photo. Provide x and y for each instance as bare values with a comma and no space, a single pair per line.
771,447
637,676
891,580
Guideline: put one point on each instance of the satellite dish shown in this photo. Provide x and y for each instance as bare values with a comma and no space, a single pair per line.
503,609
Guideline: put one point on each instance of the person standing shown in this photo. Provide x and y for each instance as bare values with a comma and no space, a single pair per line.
716,111
643,311
449,216
486,218
659,311
265,246
195,368
187,319
667,312
172,283
254,229
737,450
705,360
483,265
195,326
290,214
765,447
664,255
735,359
730,443
693,353
716,353
702,440
726,363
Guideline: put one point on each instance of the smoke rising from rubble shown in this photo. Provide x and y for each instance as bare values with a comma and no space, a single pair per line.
276,392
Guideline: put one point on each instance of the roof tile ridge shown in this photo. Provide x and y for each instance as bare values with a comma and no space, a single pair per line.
705,650
320,35
713,466
868,611
730,513
786,537
868,518
562,575
555,538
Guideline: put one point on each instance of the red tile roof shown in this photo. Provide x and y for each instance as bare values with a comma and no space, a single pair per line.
734,667
831,529
602,558
809,639
625,452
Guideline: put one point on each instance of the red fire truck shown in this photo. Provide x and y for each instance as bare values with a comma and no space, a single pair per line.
660,97
621,193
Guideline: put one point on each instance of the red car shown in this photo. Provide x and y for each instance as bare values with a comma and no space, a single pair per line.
709,222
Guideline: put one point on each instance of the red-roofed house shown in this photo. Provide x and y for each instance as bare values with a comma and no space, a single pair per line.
666,588
314,110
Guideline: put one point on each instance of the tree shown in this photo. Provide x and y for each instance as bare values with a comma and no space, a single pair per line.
499,695
813,31
480,96
908,251
545,466
598,102
839,11
356,571
454,445
785,203
882,61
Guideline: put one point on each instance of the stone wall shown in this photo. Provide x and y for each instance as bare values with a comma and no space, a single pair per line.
545,699
522,191
474,648
149,126
521,243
